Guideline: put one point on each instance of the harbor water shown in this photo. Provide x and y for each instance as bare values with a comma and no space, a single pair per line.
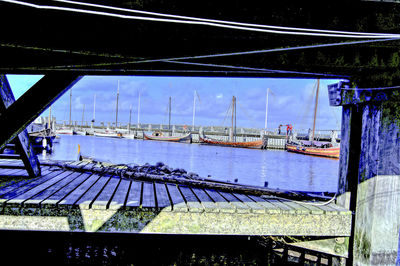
274,168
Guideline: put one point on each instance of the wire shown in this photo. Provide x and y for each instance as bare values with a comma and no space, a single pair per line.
243,53
372,89
214,20
193,22
255,69
303,202
263,51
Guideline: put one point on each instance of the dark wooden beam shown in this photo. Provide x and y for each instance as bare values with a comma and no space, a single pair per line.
33,102
21,143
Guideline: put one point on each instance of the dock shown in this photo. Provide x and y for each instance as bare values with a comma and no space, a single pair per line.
83,201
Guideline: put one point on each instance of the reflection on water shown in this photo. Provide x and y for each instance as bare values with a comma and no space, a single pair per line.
280,169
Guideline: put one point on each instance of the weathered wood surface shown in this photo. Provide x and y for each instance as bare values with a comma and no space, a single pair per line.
65,200
125,171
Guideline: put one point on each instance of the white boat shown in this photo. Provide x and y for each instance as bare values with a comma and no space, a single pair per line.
65,131
82,132
128,136
108,134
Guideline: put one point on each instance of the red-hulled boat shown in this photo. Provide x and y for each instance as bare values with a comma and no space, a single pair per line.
246,144
316,148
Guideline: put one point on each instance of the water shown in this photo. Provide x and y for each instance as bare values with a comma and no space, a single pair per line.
279,168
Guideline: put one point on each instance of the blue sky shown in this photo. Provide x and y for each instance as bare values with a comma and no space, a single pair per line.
290,100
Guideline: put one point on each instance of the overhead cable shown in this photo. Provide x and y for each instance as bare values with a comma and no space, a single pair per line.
205,23
214,20
263,51
253,69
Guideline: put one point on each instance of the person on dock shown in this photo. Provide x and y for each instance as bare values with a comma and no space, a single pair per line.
279,129
289,129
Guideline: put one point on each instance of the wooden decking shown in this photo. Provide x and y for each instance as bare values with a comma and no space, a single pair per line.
65,200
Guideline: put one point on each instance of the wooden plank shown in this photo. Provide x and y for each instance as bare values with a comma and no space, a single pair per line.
38,189
314,207
9,161
104,198
13,186
148,199
338,209
17,172
62,193
38,199
254,207
10,156
120,196
283,207
85,202
15,166
269,207
177,200
205,200
8,172
224,206
192,202
298,208
79,191
20,135
163,201
134,195
240,207
28,186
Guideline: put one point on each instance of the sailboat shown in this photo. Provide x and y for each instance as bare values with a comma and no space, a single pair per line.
312,147
232,142
82,132
108,133
67,130
158,135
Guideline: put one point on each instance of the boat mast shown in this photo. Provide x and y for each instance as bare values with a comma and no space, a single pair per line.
315,112
116,113
130,116
235,121
266,111
94,108
138,113
233,138
83,115
194,108
70,106
169,111
49,117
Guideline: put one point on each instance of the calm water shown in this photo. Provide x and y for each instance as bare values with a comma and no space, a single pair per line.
279,168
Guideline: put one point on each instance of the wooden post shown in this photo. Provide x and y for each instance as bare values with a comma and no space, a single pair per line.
369,172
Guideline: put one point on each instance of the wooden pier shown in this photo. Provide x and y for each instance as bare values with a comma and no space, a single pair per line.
83,201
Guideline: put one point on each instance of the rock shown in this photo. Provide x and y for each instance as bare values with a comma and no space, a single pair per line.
160,164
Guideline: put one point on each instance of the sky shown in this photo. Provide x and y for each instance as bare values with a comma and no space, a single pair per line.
290,101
